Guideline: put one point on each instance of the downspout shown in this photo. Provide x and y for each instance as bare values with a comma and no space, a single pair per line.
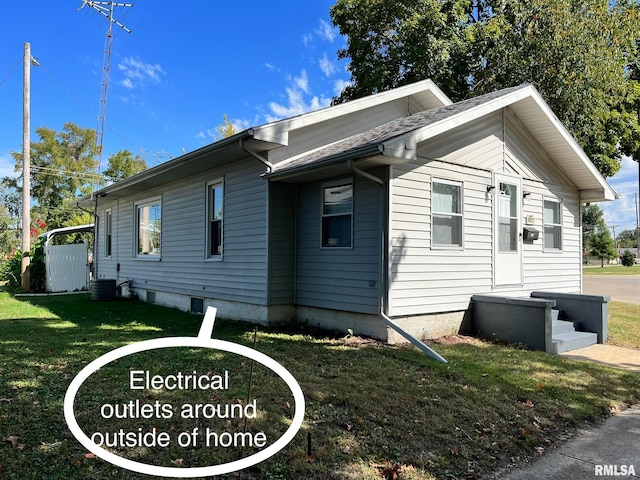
265,162
261,159
383,277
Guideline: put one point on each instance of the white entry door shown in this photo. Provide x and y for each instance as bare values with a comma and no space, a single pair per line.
507,230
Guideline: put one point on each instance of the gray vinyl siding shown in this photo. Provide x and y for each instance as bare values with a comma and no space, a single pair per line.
336,278
241,274
282,247
423,279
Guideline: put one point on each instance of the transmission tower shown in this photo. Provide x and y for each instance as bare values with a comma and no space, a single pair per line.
106,9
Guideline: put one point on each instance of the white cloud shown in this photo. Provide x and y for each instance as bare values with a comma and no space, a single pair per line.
296,103
339,85
622,212
302,82
326,31
326,65
270,66
7,166
137,72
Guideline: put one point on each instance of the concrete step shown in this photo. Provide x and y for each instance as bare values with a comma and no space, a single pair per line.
564,342
561,326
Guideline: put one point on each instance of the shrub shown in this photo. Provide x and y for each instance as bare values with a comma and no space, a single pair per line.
10,270
627,259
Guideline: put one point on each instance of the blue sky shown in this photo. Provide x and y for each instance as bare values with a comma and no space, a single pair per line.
184,66
172,79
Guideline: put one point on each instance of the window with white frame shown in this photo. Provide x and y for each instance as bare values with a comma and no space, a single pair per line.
337,215
446,213
148,228
552,224
108,233
215,206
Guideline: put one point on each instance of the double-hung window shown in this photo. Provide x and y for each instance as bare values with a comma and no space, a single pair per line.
148,228
552,220
108,233
337,215
446,213
215,206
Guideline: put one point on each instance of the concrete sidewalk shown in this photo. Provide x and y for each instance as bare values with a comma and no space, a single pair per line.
609,451
610,355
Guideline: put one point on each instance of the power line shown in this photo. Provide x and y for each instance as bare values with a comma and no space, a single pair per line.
10,72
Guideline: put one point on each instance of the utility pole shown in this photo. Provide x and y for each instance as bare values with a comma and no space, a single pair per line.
615,242
637,223
26,167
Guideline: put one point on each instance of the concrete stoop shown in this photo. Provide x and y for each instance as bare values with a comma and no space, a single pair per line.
553,322
565,342
565,337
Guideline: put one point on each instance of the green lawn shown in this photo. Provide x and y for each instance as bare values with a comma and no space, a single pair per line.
371,409
624,324
612,270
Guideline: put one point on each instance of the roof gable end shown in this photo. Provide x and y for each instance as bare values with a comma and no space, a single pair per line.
420,96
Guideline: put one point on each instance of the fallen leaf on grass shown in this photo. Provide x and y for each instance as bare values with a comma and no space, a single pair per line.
14,440
90,455
527,404
178,462
388,470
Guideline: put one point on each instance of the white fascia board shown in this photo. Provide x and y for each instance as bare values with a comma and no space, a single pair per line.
598,195
278,131
608,193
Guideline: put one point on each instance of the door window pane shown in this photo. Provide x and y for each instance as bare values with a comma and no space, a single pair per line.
507,218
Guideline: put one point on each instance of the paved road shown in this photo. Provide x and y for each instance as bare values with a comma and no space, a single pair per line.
621,288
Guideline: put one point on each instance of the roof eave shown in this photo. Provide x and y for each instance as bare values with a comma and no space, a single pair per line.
164,167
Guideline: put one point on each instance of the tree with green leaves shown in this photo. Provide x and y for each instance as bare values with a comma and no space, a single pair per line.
627,238
627,259
9,233
63,166
122,165
581,56
597,239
